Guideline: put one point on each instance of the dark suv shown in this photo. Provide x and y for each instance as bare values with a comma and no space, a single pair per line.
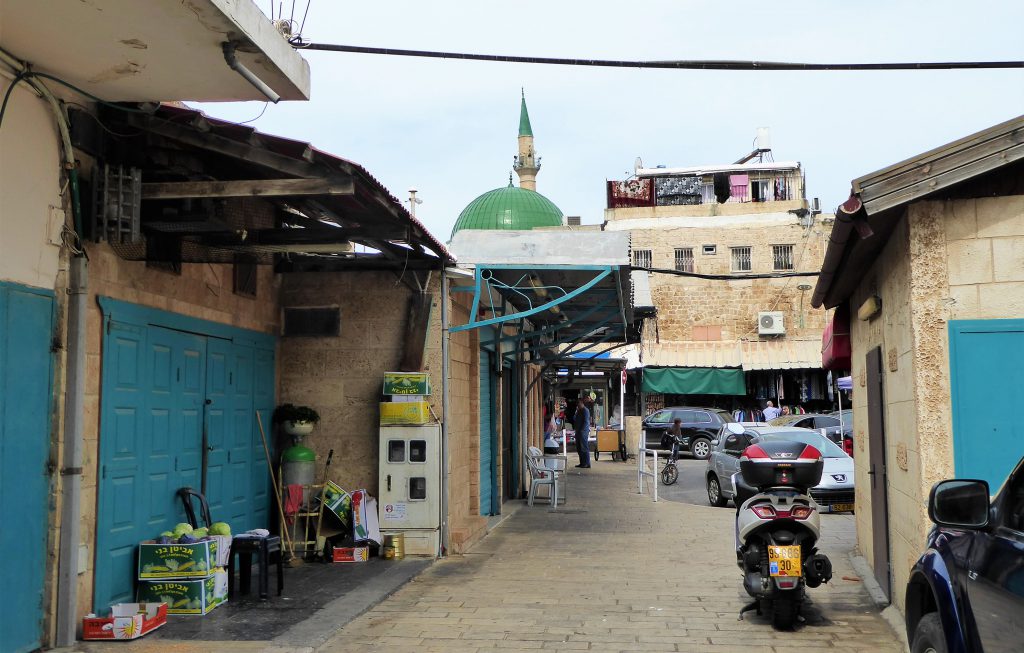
700,426
966,593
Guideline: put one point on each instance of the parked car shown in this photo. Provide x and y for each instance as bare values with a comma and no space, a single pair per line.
966,592
700,426
846,417
833,494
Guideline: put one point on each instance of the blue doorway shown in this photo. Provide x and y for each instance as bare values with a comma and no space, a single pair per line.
489,448
179,397
986,360
26,401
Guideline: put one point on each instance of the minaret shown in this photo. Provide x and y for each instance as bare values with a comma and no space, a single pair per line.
527,163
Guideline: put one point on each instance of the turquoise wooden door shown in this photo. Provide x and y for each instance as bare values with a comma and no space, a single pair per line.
178,410
26,325
488,449
986,359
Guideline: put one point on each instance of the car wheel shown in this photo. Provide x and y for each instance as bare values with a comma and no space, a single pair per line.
700,448
715,497
928,636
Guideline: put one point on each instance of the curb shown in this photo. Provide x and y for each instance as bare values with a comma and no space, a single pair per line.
889,612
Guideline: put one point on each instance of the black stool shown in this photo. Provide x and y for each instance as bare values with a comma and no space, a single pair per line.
244,547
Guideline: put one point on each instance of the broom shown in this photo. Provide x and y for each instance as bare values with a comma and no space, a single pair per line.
292,560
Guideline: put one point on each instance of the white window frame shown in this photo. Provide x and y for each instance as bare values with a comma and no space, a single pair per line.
709,250
739,255
781,254
643,258
684,259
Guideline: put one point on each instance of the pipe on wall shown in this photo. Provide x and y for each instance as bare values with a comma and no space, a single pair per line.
237,66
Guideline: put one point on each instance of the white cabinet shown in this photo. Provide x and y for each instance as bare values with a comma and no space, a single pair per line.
410,485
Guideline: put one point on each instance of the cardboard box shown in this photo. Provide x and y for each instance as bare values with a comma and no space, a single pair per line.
404,412
338,501
177,560
406,383
351,554
187,596
126,621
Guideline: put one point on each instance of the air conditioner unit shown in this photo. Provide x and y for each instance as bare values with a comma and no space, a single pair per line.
771,323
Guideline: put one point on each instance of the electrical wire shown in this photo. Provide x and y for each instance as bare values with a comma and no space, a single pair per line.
265,104
7,96
732,277
684,64
85,110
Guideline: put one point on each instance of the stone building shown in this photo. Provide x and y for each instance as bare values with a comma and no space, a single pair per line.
927,259
731,251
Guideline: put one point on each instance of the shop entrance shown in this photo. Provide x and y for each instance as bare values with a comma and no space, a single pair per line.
178,409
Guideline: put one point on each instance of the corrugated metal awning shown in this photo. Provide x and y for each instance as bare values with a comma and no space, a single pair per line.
786,354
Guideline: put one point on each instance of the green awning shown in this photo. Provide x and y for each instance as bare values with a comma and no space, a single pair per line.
694,381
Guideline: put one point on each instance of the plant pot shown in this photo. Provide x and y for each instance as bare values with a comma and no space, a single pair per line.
298,429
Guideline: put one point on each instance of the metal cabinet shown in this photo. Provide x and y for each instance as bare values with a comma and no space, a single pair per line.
410,485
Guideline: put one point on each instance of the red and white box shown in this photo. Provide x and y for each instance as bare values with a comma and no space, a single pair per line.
126,621
351,554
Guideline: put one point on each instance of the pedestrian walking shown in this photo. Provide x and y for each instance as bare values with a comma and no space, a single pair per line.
581,424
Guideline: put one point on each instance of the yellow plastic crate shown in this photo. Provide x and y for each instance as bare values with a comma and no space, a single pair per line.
404,412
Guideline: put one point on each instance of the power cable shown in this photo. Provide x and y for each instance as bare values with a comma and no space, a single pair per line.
684,64
732,277
7,96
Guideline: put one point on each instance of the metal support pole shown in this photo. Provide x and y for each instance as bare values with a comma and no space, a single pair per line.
445,416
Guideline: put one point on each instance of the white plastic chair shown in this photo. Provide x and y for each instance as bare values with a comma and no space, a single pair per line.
546,470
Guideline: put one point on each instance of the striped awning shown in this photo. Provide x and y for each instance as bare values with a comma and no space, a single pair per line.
783,354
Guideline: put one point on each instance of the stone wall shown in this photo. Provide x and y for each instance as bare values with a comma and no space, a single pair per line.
729,308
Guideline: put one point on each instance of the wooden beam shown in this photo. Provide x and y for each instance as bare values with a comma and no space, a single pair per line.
248,188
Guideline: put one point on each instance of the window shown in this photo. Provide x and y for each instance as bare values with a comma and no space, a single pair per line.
684,259
710,250
782,255
641,258
701,417
740,259
245,275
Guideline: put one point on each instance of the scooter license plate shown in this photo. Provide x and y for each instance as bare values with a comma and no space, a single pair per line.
784,560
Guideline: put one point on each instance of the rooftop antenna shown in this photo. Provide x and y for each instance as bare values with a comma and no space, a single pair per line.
413,201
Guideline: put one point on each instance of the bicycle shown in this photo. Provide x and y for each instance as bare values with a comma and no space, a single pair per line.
670,473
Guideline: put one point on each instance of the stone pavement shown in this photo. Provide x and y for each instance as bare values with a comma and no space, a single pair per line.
611,571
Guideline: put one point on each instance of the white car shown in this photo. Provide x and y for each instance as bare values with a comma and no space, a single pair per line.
833,494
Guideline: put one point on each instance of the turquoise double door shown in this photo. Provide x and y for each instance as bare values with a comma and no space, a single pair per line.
179,404
26,402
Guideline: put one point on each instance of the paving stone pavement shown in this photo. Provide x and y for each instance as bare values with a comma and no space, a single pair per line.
612,571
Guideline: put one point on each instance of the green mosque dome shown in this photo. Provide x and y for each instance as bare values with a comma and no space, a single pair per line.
509,208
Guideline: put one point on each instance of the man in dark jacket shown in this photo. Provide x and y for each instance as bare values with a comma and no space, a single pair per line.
581,424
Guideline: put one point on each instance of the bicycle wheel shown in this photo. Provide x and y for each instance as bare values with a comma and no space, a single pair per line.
669,474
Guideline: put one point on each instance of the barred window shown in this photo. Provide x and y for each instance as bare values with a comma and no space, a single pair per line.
783,257
740,259
641,258
684,259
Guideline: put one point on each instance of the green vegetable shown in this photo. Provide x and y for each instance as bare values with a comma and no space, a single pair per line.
181,529
219,528
199,533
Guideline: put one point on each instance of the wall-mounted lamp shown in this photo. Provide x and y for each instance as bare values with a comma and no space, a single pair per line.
871,307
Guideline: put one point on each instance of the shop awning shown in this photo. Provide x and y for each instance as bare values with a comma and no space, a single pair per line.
694,381
785,354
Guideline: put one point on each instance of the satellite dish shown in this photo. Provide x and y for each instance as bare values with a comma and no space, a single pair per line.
638,164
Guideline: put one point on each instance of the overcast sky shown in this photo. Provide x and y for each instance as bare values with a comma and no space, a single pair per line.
448,128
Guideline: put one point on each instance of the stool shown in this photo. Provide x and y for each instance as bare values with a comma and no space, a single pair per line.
244,547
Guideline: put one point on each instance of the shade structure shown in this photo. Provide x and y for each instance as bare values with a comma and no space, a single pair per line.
694,380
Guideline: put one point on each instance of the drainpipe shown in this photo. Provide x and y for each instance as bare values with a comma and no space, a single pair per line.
445,544
234,64
74,392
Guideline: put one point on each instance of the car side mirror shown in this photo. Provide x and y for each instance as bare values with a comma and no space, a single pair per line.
959,504
714,443
734,428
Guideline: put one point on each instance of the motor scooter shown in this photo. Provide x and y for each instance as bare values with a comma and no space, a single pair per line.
777,528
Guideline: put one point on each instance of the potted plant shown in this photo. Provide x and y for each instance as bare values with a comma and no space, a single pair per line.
297,421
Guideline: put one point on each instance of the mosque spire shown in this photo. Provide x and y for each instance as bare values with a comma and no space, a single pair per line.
527,163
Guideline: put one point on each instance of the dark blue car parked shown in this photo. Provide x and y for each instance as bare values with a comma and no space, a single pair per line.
966,593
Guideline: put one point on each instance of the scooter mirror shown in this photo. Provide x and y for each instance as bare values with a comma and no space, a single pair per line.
734,428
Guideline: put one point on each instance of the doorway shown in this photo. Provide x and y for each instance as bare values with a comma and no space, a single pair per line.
877,471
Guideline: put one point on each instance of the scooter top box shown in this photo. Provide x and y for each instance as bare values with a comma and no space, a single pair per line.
778,463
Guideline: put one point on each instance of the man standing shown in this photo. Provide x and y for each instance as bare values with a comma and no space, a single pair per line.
770,412
581,424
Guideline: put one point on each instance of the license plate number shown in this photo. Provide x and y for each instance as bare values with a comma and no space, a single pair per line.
841,507
784,561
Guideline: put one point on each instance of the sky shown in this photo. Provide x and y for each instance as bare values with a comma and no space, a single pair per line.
448,128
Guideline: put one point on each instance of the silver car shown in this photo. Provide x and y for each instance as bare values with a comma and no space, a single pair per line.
833,494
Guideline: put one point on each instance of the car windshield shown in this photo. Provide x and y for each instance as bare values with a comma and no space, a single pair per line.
827,448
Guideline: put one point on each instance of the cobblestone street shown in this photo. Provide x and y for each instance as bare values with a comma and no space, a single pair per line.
612,571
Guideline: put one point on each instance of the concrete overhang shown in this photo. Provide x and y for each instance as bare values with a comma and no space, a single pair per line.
154,50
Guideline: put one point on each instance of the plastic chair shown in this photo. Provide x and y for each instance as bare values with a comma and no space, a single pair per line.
244,547
545,470
187,494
